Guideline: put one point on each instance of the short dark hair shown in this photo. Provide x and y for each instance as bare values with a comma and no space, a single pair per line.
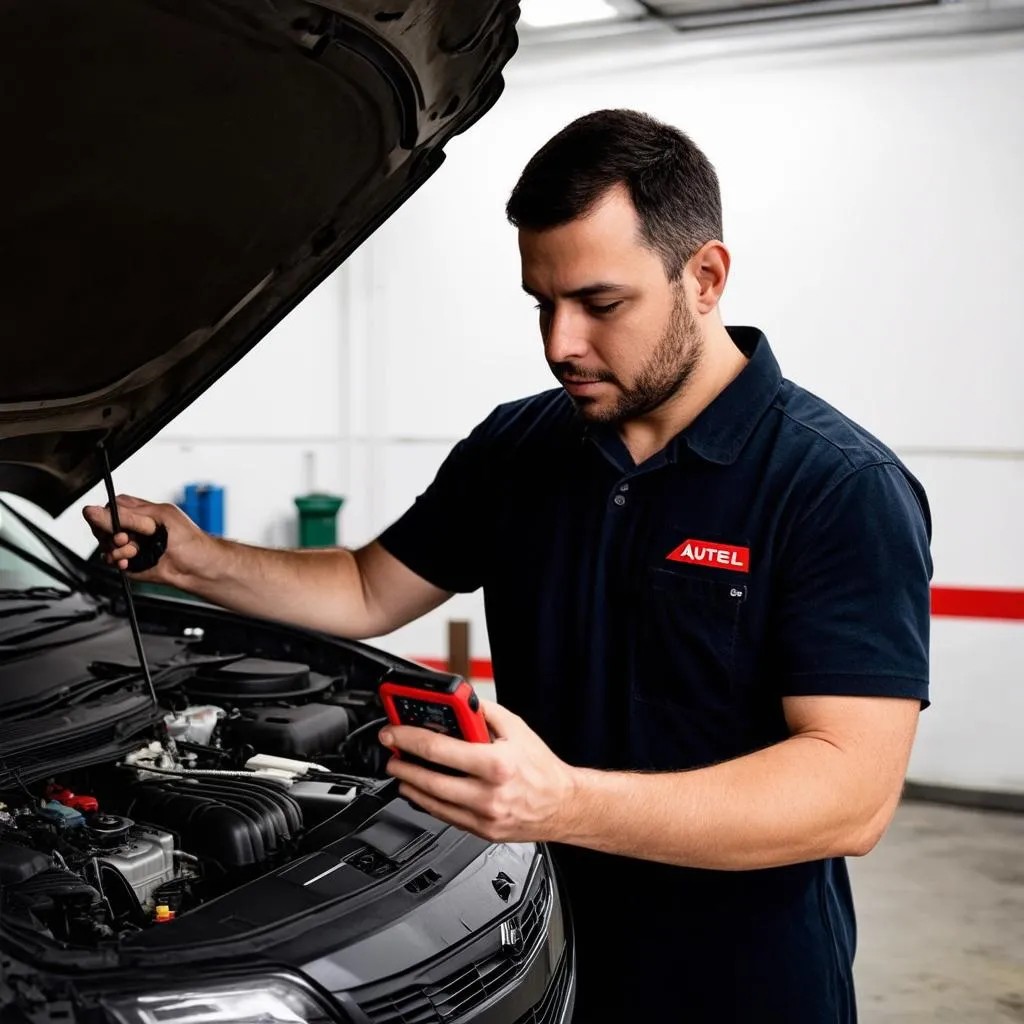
672,184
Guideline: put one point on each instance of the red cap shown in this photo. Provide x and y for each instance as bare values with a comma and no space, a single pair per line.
69,799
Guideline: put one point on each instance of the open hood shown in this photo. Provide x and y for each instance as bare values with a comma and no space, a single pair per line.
181,173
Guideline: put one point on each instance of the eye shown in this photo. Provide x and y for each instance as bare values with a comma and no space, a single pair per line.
603,310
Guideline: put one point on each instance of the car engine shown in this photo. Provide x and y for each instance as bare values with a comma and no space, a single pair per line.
153,836
224,791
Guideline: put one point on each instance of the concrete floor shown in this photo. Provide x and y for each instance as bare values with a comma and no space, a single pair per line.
940,905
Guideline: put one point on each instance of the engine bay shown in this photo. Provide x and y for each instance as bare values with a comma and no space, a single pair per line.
249,757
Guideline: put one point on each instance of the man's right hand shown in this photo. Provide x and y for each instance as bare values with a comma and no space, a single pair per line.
189,549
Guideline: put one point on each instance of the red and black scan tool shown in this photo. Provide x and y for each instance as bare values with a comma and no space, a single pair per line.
440,701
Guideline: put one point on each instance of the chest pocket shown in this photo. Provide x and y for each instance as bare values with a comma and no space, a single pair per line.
686,632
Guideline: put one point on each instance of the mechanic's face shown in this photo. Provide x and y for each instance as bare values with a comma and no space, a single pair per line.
619,336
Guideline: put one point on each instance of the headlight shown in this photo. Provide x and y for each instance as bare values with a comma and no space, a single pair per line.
266,1000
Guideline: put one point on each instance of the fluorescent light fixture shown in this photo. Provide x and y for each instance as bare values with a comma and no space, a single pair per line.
552,13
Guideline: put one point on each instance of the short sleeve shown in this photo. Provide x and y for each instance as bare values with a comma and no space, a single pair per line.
440,537
852,614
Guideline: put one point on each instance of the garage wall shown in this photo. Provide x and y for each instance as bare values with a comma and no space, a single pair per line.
873,209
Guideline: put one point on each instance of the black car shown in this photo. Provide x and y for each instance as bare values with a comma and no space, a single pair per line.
212,838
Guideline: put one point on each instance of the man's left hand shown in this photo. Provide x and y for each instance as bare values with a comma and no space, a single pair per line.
514,789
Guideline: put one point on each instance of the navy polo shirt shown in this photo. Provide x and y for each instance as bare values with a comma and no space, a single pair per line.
653,617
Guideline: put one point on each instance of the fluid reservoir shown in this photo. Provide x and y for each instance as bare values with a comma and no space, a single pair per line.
194,724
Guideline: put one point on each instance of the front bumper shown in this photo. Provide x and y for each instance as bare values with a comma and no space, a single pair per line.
520,970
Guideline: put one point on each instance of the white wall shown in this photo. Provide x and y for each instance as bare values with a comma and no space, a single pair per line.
874,211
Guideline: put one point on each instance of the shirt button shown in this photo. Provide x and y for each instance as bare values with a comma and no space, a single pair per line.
619,499
623,487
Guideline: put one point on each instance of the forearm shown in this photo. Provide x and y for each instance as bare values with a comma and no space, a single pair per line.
316,589
792,802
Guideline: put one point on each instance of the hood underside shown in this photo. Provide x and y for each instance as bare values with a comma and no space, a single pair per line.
180,173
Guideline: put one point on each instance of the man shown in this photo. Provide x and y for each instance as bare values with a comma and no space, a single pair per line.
707,599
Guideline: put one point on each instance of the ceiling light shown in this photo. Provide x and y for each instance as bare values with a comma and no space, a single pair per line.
551,13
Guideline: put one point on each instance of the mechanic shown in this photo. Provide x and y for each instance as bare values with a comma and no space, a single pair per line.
707,598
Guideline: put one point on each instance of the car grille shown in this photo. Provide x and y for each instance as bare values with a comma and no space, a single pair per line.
547,1011
468,988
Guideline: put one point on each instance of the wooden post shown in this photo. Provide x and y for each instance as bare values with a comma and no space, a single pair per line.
458,647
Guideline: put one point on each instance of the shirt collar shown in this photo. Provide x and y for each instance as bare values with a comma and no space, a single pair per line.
720,431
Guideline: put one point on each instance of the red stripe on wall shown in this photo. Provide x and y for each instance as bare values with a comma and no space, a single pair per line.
947,602
973,603
479,668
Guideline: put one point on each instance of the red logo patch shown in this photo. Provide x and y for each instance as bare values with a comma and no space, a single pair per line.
720,556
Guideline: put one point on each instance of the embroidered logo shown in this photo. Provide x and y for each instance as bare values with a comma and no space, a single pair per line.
720,556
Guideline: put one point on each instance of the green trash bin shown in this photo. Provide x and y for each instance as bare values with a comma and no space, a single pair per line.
318,520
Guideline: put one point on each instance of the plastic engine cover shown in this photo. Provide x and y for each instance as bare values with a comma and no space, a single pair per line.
241,680
320,800
231,821
306,731
19,863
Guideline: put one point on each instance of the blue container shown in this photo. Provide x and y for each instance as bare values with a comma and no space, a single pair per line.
190,504
204,505
214,512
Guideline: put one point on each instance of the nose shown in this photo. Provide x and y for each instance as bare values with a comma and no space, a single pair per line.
565,338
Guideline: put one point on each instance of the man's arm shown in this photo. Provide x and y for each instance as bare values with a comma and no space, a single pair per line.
437,548
357,594
829,790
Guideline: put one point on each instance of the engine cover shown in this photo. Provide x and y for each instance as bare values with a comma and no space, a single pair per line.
231,821
306,731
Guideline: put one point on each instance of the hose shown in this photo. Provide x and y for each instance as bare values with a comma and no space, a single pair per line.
204,773
364,728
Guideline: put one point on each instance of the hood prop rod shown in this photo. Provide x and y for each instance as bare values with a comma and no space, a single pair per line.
116,524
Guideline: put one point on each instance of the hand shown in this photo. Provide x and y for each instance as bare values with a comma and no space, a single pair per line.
188,547
515,789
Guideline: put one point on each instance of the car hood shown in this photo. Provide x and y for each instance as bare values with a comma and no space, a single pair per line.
181,173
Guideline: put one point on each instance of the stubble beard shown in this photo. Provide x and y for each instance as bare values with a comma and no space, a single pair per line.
666,373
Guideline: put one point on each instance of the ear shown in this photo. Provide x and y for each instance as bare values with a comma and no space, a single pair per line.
710,269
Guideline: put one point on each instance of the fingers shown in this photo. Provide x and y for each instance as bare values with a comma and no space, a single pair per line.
122,555
133,514
460,791
117,550
457,816
476,759
127,501
100,519
503,722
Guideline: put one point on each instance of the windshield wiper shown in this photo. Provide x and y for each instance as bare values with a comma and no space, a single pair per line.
79,694
34,593
23,602
45,625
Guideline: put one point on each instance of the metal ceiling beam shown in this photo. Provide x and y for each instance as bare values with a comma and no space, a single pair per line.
707,13
644,43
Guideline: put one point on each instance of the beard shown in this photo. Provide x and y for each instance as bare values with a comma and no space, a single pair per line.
665,374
